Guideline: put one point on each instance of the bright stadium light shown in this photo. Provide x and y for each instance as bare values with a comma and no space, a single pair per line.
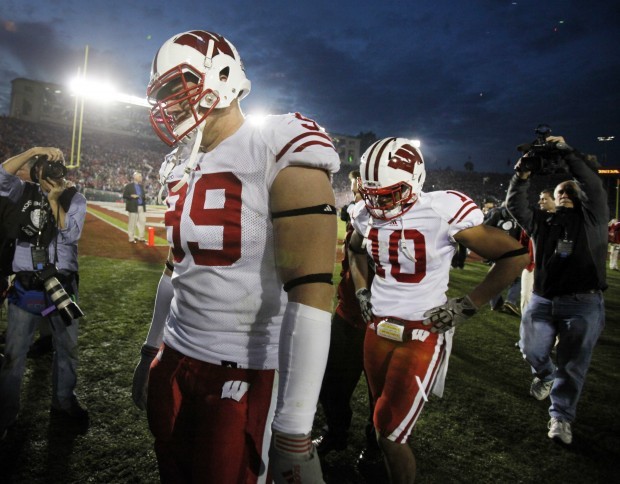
257,118
103,92
98,91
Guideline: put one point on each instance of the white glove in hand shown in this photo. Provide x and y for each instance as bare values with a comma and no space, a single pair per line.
451,314
140,382
292,458
363,297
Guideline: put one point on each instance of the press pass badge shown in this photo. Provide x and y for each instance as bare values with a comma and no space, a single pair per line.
39,258
564,248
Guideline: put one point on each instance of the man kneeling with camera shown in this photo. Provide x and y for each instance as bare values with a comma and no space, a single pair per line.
46,222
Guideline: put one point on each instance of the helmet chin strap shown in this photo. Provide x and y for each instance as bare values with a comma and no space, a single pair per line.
192,162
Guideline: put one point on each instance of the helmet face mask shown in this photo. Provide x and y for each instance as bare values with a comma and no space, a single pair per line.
192,74
177,96
392,175
387,203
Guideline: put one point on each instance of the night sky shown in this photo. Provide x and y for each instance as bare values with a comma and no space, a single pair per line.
470,79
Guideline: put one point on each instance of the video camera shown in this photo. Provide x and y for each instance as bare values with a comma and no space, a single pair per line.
543,157
51,169
66,307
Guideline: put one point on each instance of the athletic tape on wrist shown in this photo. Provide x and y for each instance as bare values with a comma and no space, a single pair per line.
304,344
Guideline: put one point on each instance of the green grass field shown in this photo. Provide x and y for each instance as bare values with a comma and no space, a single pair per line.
486,429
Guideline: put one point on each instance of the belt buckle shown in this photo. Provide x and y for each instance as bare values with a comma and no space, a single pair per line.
388,329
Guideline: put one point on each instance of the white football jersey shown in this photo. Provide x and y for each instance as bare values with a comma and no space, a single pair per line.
413,253
228,298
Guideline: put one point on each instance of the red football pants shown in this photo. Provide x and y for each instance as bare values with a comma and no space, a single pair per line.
392,368
208,420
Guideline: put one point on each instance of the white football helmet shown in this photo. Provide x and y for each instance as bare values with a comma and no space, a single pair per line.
192,74
392,175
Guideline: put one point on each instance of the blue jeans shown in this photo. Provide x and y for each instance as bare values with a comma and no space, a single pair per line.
577,320
514,293
20,330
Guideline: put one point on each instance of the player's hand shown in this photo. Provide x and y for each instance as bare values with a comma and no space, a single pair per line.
140,382
294,455
363,297
449,315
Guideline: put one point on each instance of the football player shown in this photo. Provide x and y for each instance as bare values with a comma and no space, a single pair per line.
252,228
411,236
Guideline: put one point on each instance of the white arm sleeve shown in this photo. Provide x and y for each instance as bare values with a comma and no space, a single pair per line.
304,345
163,298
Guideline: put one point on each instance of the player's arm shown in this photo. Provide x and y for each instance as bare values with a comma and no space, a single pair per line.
154,338
358,261
358,266
490,243
305,246
493,244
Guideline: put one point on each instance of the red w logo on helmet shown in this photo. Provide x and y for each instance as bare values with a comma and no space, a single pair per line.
199,40
405,158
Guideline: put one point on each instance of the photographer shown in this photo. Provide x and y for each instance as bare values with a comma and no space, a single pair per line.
47,226
569,276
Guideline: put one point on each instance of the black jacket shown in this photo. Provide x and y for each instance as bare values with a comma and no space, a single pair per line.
557,271
131,204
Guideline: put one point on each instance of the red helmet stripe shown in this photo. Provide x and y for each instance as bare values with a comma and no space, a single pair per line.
374,159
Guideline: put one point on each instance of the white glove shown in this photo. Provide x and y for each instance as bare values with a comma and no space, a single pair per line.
293,458
140,382
363,297
449,315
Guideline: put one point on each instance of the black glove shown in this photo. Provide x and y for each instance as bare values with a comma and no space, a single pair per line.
140,384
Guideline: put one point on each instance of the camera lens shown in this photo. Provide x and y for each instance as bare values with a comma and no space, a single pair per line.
65,306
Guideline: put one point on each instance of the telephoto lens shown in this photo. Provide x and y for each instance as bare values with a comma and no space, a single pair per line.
65,306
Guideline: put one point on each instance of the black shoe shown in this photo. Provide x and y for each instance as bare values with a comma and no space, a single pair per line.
371,466
74,413
498,305
41,347
5,430
327,442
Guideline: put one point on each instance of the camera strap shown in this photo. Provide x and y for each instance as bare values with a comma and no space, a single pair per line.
30,219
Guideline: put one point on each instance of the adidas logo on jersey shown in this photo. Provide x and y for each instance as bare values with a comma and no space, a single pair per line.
328,208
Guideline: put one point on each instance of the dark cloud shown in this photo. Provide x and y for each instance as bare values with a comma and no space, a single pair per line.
470,79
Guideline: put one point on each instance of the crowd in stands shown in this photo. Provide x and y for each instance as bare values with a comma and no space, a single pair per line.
107,162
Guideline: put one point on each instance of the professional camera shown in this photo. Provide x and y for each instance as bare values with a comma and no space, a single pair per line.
541,156
51,169
66,307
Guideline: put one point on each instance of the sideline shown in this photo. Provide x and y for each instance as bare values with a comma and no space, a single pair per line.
111,215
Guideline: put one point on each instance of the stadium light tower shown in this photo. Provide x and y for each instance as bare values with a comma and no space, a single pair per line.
97,91
605,139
